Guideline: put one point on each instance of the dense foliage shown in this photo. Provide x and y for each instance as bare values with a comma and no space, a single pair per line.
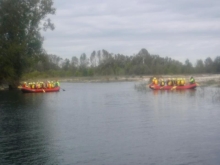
102,63
20,40
22,54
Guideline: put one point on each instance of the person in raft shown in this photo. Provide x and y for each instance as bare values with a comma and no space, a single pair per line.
154,81
57,83
191,80
182,82
162,83
169,82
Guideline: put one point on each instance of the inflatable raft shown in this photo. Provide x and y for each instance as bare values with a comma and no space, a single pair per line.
40,90
167,87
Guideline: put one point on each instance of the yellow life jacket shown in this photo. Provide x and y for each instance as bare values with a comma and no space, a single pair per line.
178,82
182,82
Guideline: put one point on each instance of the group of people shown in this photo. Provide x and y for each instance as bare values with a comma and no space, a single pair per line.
172,81
41,84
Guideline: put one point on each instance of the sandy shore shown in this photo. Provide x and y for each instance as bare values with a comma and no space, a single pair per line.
202,78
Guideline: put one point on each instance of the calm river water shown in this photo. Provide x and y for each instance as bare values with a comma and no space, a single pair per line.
110,124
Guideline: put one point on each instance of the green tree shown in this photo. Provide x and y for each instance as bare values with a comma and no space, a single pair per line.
199,66
93,59
20,40
74,62
217,64
188,66
83,61
209,65
66,64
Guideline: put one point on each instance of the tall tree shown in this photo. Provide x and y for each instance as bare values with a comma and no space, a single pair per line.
217,64
93,59
66,64
209,65
199,66
20,40
83,61
189,66
74,62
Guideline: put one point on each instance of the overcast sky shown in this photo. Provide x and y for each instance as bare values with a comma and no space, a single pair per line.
179,29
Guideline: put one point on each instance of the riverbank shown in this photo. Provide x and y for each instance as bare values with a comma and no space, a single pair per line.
202,79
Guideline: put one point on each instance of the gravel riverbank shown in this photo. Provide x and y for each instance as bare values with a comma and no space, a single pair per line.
202,78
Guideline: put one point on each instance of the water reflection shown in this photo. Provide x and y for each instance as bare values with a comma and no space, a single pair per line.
22,139
110,123
207,93
155,92
190,92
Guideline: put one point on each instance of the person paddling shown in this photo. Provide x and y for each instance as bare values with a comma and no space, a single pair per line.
192,80
154,81
169,82
57,84
162,83
182,83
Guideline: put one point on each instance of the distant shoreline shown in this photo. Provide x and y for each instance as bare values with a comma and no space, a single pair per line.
202,79
199,78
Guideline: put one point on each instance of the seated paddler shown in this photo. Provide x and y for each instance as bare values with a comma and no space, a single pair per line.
154,81
57,83
191,80
182,82
162,83
169,82
178,81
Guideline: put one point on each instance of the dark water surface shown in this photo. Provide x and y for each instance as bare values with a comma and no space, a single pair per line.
110,124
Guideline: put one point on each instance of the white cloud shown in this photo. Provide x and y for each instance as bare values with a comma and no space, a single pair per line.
177,29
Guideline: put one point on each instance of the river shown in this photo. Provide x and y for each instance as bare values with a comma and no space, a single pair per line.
110,124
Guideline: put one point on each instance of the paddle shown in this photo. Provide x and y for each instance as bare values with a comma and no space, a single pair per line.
62,89
43,90
162,87
197,84
148,85
173,88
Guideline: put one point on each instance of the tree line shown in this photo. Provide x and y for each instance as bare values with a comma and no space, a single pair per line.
102,63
